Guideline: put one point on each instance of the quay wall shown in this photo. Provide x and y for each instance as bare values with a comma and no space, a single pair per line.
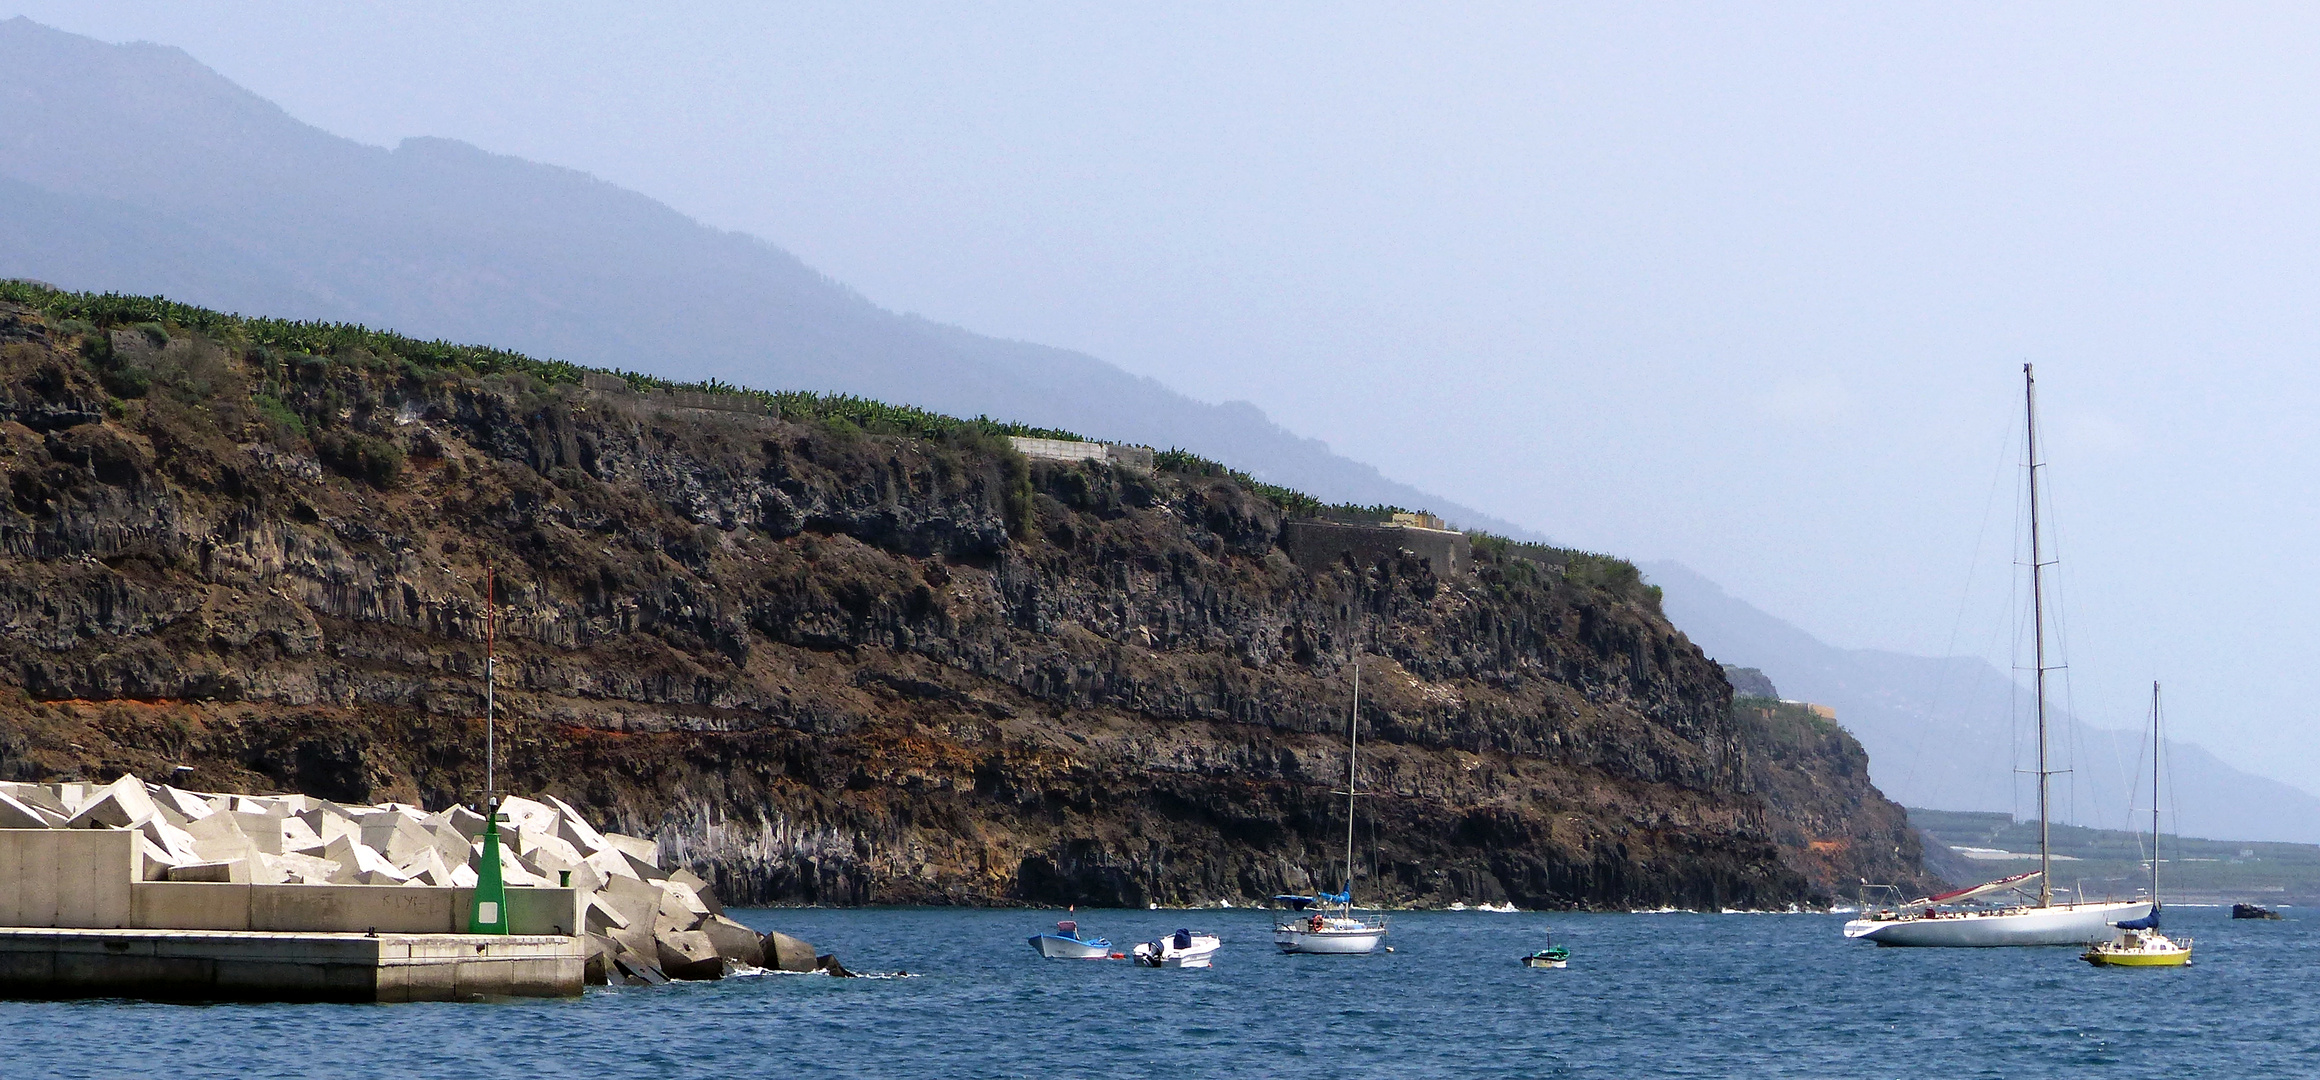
196,965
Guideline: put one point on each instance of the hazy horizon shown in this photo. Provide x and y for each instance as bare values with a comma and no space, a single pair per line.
1745,289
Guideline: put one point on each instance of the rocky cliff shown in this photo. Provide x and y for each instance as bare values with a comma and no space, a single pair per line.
824,652
1830,822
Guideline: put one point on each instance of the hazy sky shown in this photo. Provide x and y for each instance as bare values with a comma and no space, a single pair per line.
1748,287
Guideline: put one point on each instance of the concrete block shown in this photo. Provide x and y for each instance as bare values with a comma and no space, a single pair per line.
359,865
463,876
297,835
734,941
785,953
689,954
153,863
263,831
72,795
635,969
397,836
301,869
666,921
219,838
17,814
39,797
540,845
598,970
177,842
574,827
601,917
467,822
517,812
642,855
701,889
611,864
193,807
679,901
117,805
637,901
449,843
427,868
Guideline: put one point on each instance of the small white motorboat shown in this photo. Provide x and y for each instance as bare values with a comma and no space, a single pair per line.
1067,944
1182,949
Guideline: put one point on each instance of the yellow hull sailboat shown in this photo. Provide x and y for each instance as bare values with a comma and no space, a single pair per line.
2141,944
2140,948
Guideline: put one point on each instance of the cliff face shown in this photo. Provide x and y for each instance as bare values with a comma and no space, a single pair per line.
1830,822
821,663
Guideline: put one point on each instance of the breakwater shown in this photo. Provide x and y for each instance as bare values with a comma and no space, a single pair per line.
151,889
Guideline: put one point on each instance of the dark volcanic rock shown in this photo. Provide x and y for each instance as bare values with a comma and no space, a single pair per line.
1831,823
820,664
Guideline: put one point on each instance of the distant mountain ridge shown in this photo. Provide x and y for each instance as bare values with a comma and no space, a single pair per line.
1941,733
134,168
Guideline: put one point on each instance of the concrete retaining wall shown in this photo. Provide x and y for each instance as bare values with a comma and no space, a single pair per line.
1127,457
1314,545
67,877
85,878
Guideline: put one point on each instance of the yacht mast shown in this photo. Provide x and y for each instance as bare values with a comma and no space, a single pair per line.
2154,796
2038,634
1352,753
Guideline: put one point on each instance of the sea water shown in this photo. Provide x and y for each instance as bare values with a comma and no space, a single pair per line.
1665,995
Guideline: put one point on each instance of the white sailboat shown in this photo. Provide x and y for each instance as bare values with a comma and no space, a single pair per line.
1934,921
1343,933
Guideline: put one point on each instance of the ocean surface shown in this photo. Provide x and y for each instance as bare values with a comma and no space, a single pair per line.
1648,995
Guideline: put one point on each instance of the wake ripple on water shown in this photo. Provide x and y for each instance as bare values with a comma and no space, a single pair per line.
1676,995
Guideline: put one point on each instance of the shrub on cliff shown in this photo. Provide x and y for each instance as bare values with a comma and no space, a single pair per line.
376,462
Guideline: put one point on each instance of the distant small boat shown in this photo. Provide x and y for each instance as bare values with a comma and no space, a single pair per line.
1182,949
2251,911
1067,944
1553,956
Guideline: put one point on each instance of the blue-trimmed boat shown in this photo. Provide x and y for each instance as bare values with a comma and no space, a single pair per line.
1067,944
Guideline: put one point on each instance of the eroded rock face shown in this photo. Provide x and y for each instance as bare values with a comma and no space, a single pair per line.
818,664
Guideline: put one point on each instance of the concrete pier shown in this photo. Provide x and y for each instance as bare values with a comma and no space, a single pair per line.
217,965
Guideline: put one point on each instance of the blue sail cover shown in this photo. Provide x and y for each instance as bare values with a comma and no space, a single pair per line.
2147,922
1345,897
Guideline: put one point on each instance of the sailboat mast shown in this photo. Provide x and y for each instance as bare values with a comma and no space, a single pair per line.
2038,633
2154,795
1352,754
